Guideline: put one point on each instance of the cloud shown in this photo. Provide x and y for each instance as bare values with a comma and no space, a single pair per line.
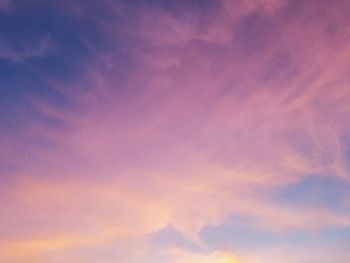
182,121
237,9
214,257
6,5
24,51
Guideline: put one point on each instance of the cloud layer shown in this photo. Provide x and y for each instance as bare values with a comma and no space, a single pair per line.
175,116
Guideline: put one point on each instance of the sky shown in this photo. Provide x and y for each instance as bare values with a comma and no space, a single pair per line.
189,131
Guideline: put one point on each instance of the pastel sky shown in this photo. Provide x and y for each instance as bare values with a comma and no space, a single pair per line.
162,131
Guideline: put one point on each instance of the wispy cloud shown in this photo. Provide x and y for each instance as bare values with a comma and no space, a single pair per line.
6,5
19,52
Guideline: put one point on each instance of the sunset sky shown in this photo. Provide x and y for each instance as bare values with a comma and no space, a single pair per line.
174,131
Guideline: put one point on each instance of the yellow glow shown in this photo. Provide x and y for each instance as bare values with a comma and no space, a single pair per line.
225,258
215,257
